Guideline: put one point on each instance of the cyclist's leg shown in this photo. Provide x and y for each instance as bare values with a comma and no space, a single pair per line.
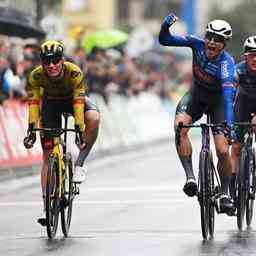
224,160
221,145
92,120
186,112
241,114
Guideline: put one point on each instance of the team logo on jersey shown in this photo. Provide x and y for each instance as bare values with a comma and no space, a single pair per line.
81,94
224,69
36,76
201,74
75,74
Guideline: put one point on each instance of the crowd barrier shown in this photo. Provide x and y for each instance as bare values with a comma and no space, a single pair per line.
124,122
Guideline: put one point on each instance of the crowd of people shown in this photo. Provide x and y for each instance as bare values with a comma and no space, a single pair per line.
108,71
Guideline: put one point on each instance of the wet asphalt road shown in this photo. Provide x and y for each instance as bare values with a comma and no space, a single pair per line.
130,205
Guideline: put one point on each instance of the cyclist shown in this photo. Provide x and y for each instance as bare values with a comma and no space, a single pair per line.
245,105
60,86
212,91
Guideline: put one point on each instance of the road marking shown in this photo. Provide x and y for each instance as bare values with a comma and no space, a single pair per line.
130,189
87,202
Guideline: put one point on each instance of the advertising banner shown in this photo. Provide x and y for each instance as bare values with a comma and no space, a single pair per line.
13,127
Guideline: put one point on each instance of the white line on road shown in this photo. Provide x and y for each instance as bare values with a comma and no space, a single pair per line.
96,202
129,189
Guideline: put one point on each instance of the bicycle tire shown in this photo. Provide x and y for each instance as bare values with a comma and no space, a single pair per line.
251,186
202,194
68,192
52,198
241,189
211,193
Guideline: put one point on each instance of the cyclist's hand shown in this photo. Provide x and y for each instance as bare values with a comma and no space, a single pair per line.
231,134
170,19
29,140
79,138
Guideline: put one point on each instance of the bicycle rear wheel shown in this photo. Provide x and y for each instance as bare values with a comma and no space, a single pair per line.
251,189
52,198
67,196
203,196
241,189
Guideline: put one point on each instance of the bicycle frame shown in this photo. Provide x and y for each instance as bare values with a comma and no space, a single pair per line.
249,141
59,166
207,193
205,131
56,152
59,154
245,177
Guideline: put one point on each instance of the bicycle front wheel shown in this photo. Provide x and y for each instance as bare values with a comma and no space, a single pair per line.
52,198
67,196
210,169
251,189
241,189
203,197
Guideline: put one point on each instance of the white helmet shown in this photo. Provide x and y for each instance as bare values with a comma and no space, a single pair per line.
220,27
250,44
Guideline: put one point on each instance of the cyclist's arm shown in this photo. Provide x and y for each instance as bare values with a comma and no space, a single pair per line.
33,100
79,104
229,81
168,39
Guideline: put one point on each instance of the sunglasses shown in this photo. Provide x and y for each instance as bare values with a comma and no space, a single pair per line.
54,60
216,38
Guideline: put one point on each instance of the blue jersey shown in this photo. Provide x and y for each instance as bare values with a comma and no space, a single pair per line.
246,80
218,75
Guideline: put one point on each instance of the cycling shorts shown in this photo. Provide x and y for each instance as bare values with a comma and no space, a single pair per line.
197,102
51,111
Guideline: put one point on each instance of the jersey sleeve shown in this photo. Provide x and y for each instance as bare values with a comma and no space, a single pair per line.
168,39
228,81
33,90
79,89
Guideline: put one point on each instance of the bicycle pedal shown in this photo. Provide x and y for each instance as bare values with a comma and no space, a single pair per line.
216,190
64,202
77,191
42,221
251,196
232,213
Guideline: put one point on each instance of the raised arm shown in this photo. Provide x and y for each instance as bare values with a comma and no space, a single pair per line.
168,39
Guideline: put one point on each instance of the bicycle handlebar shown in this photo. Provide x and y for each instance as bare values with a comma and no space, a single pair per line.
58,131
201,125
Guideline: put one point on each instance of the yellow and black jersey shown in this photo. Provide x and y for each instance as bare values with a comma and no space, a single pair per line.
70,86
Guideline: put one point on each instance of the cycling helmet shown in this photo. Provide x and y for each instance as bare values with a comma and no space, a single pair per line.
250,44
220,27
51,48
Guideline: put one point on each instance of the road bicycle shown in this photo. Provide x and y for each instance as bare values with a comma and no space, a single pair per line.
245,178
60,188
208,179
